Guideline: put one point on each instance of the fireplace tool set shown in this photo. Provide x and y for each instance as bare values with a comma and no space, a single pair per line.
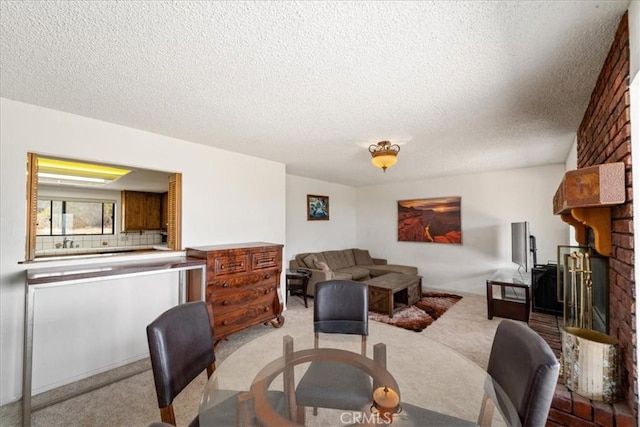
590,360
579,307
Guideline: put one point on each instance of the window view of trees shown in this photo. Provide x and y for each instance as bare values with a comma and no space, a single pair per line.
69,217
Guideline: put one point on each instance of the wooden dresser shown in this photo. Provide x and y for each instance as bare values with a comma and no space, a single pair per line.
243,283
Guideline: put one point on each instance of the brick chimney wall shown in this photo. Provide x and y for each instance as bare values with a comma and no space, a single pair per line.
604,136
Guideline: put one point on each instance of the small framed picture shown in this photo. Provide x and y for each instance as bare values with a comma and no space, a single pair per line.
317,208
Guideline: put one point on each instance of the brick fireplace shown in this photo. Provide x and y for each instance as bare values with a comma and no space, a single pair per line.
604,136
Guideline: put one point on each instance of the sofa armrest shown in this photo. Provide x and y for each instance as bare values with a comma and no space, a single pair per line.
293,265
317,276
379,261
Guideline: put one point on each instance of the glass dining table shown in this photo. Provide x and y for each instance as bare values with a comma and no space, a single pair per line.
437,385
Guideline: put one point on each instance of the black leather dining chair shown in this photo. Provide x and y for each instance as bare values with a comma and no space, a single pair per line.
181,347
526,369
340,307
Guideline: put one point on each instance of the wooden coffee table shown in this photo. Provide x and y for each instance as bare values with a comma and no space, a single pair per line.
394,291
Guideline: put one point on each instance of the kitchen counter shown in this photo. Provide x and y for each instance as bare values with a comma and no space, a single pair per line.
88,272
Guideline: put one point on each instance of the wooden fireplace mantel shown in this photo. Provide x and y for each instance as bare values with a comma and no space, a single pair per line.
584,198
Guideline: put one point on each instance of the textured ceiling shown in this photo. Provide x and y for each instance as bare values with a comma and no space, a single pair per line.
464,86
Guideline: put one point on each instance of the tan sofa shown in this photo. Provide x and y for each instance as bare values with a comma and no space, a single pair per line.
350,264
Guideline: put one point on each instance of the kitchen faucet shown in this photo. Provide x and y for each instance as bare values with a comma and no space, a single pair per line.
65,241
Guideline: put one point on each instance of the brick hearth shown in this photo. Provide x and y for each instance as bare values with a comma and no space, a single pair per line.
568,408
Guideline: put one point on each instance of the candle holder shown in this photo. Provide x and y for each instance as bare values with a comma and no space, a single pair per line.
386,402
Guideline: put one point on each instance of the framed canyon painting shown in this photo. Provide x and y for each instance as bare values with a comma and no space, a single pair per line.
317,208
430,220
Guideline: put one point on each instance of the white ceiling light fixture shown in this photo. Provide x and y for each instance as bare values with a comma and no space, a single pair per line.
55,176
56,171
384,154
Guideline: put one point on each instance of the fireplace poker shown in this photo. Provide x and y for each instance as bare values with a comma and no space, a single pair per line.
574,297
581,317
589,280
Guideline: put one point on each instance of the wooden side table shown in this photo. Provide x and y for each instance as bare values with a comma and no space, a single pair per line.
297,281
510,307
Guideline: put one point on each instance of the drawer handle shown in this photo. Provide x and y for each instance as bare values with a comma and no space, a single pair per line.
225,302
266,261
266,309
232,265
225,323
266,276
225,285
267,291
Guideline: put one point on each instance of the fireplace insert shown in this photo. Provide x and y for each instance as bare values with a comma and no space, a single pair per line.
544,282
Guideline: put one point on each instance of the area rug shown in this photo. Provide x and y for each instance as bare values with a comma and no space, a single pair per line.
427,310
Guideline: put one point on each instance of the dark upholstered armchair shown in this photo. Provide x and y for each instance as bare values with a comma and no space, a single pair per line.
526,369
341,307
181,347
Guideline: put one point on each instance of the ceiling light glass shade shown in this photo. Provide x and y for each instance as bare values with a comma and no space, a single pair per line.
384,154
55,176
384,161
62,169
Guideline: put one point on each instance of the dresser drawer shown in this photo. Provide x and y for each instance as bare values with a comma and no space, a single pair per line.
229,264
229,301
232,321
265,259
240,281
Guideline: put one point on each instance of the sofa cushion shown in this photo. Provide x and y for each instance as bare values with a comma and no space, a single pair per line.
356,273
338,275
339,259
379,270
300,260
324,267
310,260
362,257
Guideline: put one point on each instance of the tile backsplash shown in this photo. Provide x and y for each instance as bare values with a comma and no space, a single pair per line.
103,241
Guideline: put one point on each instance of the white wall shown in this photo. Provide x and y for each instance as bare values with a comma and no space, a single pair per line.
570,164
489,201
314,236
572,156
634,40
227,197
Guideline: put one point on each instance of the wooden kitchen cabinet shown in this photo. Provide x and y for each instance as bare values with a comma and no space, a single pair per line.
153,214
141,211
243,283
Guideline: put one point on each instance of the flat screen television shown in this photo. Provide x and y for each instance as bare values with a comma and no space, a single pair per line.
523,244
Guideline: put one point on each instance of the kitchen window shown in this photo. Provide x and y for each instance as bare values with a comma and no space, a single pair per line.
52,212
75,217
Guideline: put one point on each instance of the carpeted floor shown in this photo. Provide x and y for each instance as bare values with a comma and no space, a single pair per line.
423,313
132,401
